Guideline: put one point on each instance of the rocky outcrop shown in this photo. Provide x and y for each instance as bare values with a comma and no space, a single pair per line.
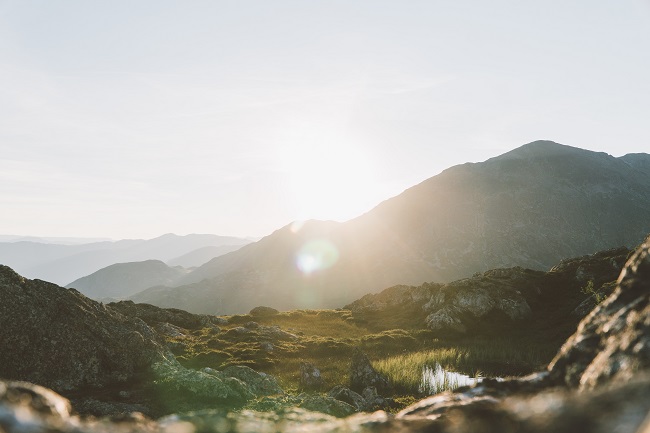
58,338
501,297
153,315
364,375
471,300
613,341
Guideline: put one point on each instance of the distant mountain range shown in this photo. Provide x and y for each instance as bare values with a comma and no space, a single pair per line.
66,262
530,207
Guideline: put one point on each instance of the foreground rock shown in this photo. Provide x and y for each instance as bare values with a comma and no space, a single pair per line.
58,338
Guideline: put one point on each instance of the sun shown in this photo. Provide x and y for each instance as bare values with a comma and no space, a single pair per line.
329,176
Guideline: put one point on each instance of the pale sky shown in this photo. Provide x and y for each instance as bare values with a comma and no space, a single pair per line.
130,119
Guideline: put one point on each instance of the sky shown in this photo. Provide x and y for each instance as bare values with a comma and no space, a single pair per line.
130,119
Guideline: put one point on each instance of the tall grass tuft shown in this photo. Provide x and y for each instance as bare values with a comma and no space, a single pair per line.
413,373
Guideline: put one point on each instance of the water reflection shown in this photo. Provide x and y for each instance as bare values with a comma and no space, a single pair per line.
436,379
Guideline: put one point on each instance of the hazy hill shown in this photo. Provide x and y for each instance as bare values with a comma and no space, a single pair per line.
202,255
530,207
124,279
62,264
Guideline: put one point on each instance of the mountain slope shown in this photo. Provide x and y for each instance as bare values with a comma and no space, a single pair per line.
64,263
202,255
124,279
530,207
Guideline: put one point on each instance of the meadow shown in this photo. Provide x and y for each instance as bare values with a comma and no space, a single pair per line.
277,344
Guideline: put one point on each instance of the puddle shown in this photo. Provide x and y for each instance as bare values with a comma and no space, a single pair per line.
436,379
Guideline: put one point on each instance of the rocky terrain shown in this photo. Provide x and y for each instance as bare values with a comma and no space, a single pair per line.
494,300
104,360
599,381
530,207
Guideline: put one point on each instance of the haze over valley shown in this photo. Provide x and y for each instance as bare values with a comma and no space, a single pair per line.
324,216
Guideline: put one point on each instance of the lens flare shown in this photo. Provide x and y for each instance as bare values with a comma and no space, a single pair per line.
316,255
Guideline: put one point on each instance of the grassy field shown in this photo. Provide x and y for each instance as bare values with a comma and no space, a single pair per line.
327,338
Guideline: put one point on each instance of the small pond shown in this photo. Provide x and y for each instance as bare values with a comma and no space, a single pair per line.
436,379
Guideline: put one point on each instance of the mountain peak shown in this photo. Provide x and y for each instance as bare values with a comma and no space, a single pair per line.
541,149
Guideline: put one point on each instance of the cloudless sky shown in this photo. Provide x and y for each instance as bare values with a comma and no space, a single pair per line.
137,118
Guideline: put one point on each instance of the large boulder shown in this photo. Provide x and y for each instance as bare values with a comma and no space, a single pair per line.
58,338
364,375
613,341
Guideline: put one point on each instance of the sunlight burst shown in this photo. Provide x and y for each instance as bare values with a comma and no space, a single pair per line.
329,176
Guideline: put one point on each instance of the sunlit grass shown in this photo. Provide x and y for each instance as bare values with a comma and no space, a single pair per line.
322,323
489,358
327,339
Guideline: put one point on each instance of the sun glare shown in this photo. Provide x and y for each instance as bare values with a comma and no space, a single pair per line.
329,177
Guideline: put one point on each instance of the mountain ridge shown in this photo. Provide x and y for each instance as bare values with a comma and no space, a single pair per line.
529,207
62,264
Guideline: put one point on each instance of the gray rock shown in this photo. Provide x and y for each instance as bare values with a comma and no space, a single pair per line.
327,405
310,377
267,346
373,401
251,325
263,312
613,341
364,375
153,315
260,384
58,338
348,396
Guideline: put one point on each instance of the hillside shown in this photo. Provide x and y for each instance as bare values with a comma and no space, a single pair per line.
529,207
63,263
124,279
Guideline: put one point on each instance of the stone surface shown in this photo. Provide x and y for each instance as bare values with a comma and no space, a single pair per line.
310,377
263,312
613,341
348,396
364,375
153,315
58,338
500,297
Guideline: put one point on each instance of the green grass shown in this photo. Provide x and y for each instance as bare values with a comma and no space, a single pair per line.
327,339
490,358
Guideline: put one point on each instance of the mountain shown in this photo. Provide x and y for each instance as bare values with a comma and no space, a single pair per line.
529,207
124,279
202,255
62,264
